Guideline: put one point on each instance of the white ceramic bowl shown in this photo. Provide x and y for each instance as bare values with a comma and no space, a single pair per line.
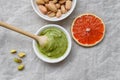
35,7
47,59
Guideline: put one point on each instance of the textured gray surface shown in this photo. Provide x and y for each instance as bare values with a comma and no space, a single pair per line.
101,62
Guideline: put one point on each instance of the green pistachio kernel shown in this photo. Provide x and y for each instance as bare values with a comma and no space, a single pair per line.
21,54
20,67
13,51
17,60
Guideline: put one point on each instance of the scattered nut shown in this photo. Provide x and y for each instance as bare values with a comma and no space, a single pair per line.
52,14
63,10
58,14
13,51
21,54
17,60
68,4
52,7
43,9
58,6
20,67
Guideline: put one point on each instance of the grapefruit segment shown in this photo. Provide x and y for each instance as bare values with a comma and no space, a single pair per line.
88,30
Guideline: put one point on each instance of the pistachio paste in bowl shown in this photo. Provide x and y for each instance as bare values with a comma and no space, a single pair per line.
59,44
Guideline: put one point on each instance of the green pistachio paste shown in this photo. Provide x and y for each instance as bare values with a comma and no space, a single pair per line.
57,44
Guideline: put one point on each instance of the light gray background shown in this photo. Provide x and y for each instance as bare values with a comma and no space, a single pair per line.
101,62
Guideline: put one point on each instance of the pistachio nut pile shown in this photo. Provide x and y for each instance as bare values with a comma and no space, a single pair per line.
54,8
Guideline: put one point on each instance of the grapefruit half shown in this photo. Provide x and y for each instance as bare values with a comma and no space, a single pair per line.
88,30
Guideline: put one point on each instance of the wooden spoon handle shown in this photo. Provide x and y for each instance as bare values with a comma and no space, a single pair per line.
8,26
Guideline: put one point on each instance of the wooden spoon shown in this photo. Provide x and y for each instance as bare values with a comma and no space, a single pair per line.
42,40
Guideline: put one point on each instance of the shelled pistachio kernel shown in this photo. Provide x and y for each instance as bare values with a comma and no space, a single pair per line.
13,51
17,60
21,54
20,67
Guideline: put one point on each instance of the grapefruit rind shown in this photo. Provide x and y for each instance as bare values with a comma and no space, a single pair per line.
88,45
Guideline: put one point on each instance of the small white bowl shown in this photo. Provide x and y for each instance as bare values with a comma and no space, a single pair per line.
35,7
45,58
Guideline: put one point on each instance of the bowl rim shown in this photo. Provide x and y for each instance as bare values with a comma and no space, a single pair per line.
54,19
46,59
